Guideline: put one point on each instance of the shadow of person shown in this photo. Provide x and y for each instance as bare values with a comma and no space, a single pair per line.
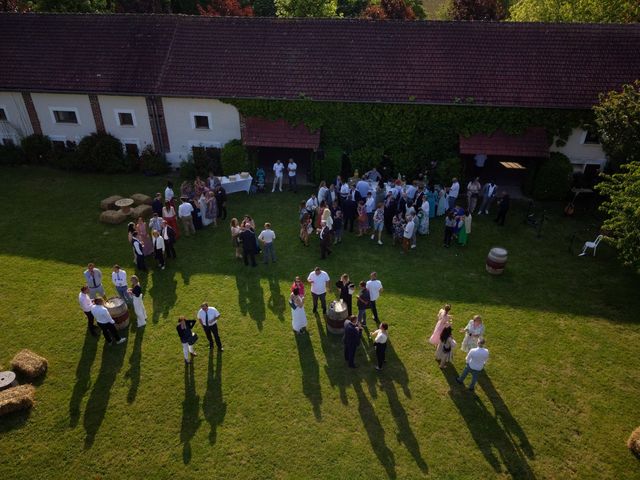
276,302
83,377
190,413
487,431
251,296
214,407
374,430
335,365
112,360
163,293
396,370
310,372
133,374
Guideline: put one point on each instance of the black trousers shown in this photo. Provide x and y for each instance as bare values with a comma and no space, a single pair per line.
348,299
448,233
324,247
159,255
140,263
171,252
348,223
381,348
246,256
212,329
374,310
109,331
222,210
350,354
502,215
91,324
323,302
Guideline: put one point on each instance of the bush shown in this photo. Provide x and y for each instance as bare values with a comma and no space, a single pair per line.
11,155
102,152
553,179
188,169
153,163
37,148
447,169
365,158
234,158
408,164
328,168
205,160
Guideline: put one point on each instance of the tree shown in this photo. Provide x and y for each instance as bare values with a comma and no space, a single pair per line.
264,8
594,11
18,6
352,8
142,6
618,121
622,208
485,10
390,9
225,8
306,8
73,6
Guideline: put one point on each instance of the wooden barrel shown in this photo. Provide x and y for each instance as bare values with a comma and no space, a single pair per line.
496,260
336,315
119,312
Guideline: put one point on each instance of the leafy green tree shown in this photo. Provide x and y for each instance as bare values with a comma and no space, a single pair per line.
477,10
351,8
306,8
618,120
73,6
622,207
588,11
264,8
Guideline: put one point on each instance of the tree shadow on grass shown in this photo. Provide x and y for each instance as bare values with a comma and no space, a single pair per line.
163,293
251,296
310,373
276,302
83,377
213,406
133,374
112,360
190,413
492,433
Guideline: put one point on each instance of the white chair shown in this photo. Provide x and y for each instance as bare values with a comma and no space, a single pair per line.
593,245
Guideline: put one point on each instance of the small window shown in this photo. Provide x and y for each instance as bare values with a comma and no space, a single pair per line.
125,119
3,115
201,121
592,137
7,142
132,149
65,116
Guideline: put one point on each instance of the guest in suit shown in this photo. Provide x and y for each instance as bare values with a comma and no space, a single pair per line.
158,249
106,322
352,336
249,248
208,317
156,205
346,288
139,253
503,208
221,199
389,212
93,276
169,237
325,240
380,338
350,211
184,329
155,223
488,195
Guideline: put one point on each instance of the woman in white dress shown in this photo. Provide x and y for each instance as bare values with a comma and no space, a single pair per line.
298,316
473,331
138,306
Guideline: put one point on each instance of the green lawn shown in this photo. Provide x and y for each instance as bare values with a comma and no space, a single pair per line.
558,399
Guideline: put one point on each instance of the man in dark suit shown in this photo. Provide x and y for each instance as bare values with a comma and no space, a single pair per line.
169,235
325,240
503,208
221,199
352,336
389,212
157,204
249,246
349,211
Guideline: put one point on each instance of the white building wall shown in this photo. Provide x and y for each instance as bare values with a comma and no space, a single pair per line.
18,124
224,125
44,104
140,132
581,154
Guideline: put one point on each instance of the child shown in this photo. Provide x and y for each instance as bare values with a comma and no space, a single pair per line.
444,352
398,228
337,227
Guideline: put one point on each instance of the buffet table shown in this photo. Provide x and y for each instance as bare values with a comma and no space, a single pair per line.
238,185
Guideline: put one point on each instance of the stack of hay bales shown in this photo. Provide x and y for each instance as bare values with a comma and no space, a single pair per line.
30,365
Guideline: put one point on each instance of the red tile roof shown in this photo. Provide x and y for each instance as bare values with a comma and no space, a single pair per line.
532,143
481,63
260,132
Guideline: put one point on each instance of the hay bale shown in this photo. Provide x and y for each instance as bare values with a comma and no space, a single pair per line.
634,442
113,217
29,364
141,199
144,211
109,203
16,399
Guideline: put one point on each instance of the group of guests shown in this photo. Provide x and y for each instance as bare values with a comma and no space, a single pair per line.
247,245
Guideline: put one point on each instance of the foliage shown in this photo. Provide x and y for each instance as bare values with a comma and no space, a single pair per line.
153,163
225,8
186,7
15,6
264,8
447,169
329,167
365,158
102,152
486,10
201,162
594,11
11,155
618,120
72,6
390,9
407,163
142,6
188,169
553,178
622,207
351,8
234,158
306,8
37,148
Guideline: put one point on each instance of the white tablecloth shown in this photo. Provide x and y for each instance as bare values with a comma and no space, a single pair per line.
239,185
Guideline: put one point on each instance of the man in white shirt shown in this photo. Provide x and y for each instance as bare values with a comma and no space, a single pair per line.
319,280
86,304
267,236
374,286
312,207
373,175
184,212
105,322
155,223
408,234
278,168
119,279
93,276
476,360
208,317
344,191
292,169
454,191
488,196
168,193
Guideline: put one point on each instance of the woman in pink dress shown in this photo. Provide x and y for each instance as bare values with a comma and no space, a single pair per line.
297,283
143,236
444,320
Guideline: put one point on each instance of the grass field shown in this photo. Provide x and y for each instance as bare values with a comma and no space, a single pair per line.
558,400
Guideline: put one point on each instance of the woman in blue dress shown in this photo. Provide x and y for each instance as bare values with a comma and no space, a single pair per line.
431,198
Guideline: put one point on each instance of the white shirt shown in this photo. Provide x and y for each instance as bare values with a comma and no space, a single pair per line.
267,236
411,192
454,190
381,336
480,158
311,204
477,357
344,189
101,314
168,194
158,243
137,247
292,167
278,168
185,209
85,302
322,192
119,278
318,282
425,207
374,287
210,317
370,204
408,229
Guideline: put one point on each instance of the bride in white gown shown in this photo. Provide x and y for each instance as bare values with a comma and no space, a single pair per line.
298,316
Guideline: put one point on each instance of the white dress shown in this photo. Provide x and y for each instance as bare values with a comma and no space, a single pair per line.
141,312
469,341
298,317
